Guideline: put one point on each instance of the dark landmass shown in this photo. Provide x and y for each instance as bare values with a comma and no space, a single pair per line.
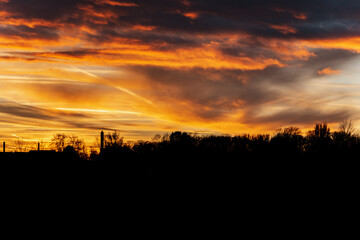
287,159
185,177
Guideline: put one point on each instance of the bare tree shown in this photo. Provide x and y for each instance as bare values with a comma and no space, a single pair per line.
288,139
78,145
156,138
21,146
58,142
114,140
288,132
346,127
346,137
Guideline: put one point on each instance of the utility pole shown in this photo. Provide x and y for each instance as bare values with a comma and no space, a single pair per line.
3,146
102,141
38,147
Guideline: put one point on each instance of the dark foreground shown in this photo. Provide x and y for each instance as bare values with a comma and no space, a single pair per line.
279,194
163,169
271,187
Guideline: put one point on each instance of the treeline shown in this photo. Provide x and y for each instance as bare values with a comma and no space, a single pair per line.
286,154
288,142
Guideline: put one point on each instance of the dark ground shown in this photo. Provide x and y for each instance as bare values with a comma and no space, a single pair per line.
260,194
251,169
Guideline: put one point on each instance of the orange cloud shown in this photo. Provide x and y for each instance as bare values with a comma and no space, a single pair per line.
348,43
7,19
301,16
284,29
288,50
182,58
114,3
97,16
191,15
295,14
143,28
328,71
130,52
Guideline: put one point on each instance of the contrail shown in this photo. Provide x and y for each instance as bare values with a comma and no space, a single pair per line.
133,94
96,110
119,88
84,72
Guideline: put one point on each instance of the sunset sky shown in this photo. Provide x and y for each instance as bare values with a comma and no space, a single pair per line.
154,66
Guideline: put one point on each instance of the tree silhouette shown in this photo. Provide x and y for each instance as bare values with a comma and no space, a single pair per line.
345,139
346,127
288,140
114,140
115,147
319,139
21,146
61,141
58,142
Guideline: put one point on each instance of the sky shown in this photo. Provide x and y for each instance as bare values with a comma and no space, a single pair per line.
147,67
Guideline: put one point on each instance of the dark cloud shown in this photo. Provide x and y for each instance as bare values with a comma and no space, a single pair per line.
254,17
26,111
41,9
39,55
25,115
152,38
212,93
78,52
293,116
324,18
40,32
